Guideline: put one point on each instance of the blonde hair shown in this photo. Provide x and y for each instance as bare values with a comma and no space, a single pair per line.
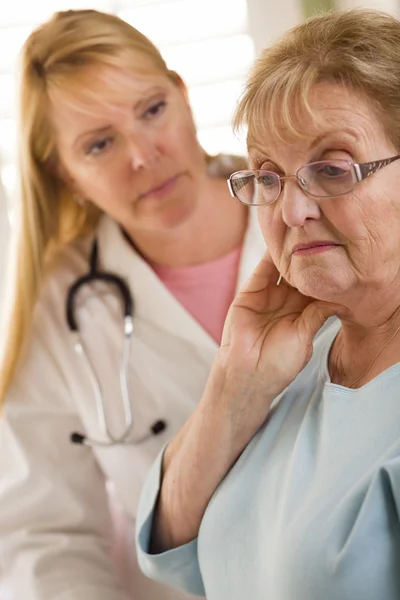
53,57
359,49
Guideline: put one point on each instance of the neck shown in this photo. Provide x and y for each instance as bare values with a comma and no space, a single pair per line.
361,352
216,227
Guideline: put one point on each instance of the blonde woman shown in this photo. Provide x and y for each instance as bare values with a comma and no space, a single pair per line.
115,190
285,482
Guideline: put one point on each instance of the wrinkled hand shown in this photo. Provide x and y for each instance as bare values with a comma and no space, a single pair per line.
267,341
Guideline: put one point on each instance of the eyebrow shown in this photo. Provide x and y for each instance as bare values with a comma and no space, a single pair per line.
151,92
331,134
91,132
137,106
316,142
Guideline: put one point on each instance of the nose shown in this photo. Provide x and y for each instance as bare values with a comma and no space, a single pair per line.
143,154
297,206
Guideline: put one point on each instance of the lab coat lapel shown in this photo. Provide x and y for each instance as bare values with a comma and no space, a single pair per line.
152,300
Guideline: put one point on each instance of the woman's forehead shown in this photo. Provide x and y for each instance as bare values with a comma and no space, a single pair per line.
94,87
104,100
327,113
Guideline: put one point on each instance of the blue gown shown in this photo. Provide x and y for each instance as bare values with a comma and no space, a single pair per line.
310,511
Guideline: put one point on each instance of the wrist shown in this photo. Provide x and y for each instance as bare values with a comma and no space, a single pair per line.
237,399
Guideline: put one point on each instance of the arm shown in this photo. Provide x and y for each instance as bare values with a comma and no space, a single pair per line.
55,527
195,463
265,324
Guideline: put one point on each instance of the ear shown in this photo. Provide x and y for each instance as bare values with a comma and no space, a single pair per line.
180,84
59,171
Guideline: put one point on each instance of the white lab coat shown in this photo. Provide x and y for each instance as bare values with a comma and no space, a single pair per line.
55,527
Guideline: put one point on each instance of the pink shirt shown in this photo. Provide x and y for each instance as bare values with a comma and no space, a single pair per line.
205,291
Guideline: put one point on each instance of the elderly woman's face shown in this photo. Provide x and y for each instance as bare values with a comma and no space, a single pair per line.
338,248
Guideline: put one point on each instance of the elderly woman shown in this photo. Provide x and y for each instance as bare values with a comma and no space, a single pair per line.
285,482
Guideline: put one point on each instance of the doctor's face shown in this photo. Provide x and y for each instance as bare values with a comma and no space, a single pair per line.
128,145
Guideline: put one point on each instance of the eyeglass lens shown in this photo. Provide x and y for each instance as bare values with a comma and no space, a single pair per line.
323,179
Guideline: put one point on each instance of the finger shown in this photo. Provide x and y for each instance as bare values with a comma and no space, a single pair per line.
263,275
313,317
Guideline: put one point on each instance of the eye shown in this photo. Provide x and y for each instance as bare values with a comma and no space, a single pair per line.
154,110
328,169
99,146
268,179
331,171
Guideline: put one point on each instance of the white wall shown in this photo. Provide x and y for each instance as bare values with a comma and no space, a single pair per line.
269,19
390,6
4,239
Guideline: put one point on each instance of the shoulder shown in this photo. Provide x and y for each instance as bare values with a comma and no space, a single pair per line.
66,266
318,365
48,347
327,334
40,382
47,368
315,373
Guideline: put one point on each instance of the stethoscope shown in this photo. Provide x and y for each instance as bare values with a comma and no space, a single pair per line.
113,280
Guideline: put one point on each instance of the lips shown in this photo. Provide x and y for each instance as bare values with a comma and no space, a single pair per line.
312,245
159,188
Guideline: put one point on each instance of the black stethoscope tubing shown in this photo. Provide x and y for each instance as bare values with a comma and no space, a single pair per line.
128,311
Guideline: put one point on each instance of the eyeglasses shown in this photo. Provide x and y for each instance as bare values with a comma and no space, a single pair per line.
322,179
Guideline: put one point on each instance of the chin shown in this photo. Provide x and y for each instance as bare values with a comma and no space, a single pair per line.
173,216
320,284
